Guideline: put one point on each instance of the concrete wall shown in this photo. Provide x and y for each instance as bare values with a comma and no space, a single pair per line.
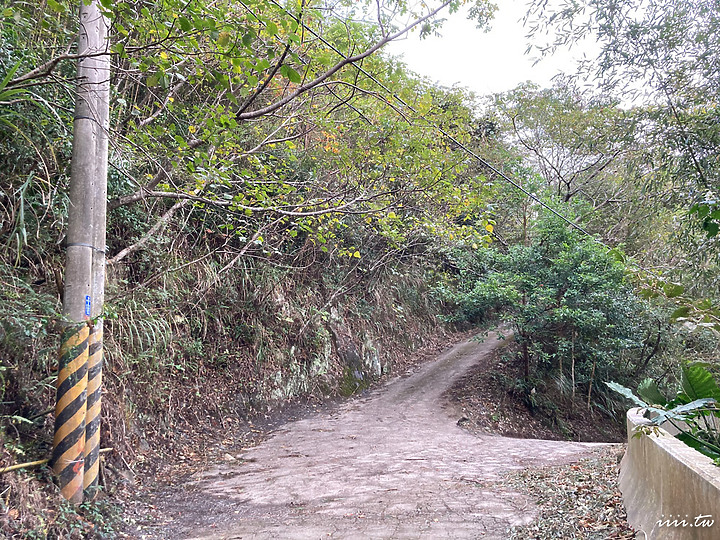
670,491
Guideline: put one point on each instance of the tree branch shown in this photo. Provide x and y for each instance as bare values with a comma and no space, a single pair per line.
47,68
155,228
337,67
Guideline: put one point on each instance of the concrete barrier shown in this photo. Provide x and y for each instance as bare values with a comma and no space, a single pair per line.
670,491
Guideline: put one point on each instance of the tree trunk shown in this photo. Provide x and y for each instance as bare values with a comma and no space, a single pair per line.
525,351
84,269
561,377
572,369
592,376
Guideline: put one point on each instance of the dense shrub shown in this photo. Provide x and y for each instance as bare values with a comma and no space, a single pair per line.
573,311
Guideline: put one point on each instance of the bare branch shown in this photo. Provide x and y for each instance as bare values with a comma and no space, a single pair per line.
154,229
48,67
340,208
146,190
337,67
168,99
267,81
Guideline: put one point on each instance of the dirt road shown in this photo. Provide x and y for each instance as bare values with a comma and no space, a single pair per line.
393,464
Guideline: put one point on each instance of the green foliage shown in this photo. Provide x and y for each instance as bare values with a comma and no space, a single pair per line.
658,57
25,315
627,393
568,300
253,211
693,411
99,519
697,382
576,142
649,391
261,211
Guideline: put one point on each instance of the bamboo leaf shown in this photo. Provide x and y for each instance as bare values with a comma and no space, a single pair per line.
704,448
8,76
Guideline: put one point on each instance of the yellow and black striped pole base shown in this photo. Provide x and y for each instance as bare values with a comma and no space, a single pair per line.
68,458
92,420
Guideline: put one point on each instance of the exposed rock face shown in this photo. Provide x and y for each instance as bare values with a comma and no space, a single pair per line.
362,362
372,357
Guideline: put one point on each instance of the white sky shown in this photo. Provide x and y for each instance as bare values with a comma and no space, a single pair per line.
486,63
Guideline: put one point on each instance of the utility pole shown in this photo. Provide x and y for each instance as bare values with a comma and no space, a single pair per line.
77,410
95,343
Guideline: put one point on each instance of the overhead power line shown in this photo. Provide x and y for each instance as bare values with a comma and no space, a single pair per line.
453,139
433,125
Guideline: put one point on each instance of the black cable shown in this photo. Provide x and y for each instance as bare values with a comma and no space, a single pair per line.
453,139
440,129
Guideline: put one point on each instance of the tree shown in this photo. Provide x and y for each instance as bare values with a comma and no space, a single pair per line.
577,143
659,56
206,90
570,304
659,53
593,155
210,100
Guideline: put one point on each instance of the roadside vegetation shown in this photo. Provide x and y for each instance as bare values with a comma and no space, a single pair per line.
284,222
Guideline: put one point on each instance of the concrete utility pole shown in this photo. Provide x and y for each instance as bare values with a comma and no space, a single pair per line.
95,343
77,410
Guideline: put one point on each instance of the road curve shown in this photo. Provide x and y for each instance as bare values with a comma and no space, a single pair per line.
392,464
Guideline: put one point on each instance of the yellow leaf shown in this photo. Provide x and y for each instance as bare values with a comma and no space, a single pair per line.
489,228
163,55
356,254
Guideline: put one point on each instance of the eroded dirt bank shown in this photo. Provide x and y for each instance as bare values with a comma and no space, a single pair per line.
393,464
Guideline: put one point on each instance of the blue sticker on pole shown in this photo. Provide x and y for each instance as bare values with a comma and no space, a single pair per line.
88,306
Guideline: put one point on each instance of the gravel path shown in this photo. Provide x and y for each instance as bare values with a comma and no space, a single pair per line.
393,464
